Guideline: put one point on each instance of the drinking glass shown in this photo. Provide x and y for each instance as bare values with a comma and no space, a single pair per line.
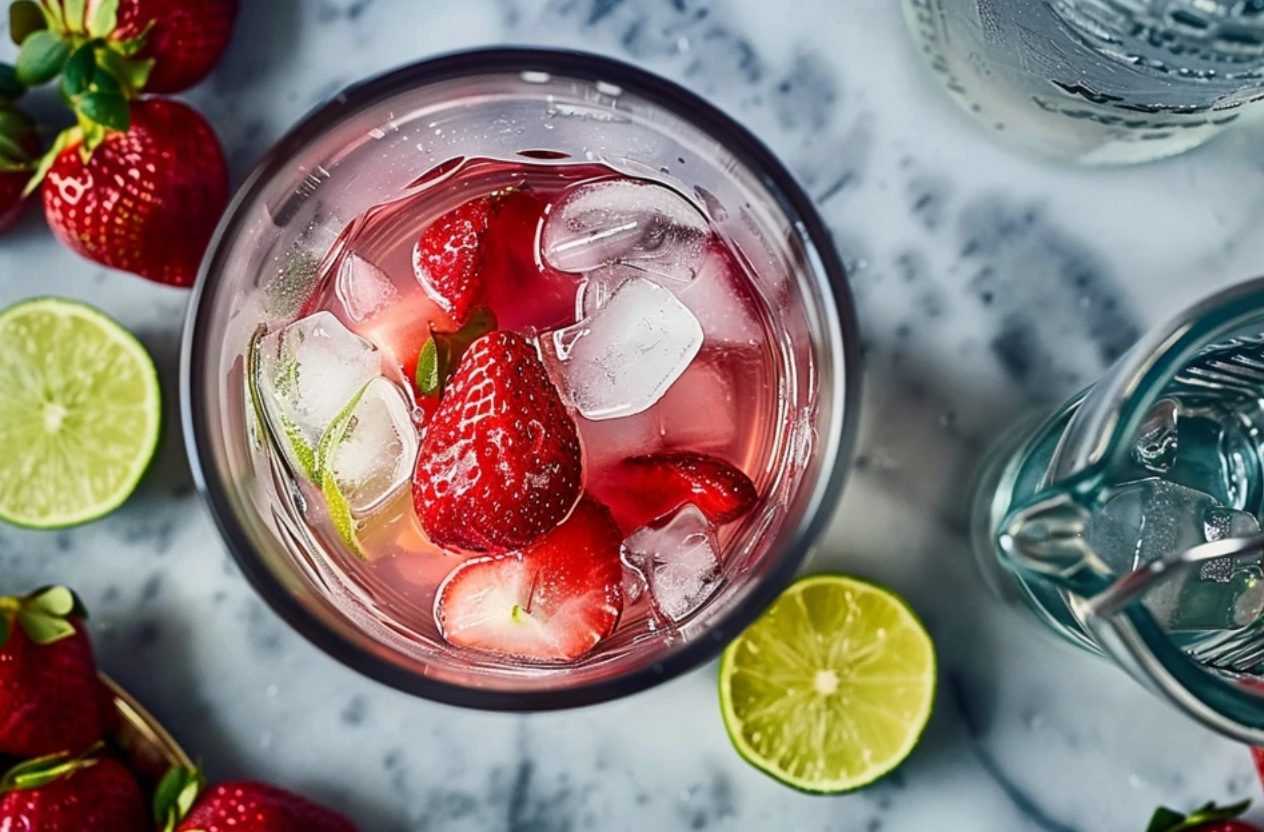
1129,519
1097,81
365,147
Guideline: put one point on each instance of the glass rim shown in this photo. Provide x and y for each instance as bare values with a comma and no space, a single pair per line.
837,444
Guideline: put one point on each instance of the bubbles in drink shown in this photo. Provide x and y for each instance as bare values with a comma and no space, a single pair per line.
679,559
308,372
373,456
626,221
622,359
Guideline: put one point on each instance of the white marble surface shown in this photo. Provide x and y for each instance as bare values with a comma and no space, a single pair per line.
987,283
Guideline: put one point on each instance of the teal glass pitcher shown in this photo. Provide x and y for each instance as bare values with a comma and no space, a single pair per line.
1130,519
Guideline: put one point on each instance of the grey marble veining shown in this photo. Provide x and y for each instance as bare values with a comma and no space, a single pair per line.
988,284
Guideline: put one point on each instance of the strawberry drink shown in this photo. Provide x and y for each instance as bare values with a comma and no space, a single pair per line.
528,401
520,379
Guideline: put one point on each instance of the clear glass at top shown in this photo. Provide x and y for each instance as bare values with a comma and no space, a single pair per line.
1097,81
1130,519
441,128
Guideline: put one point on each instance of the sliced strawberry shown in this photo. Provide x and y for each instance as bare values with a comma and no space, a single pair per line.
553,601
644,488
446,258
499,464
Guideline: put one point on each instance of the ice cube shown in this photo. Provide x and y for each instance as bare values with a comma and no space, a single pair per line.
625,221
375,451
363,288
721,304
679,559
1150,518
622,359
308,372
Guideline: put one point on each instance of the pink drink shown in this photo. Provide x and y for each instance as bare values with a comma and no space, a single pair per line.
724,403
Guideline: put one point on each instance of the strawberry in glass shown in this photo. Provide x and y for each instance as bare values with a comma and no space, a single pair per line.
531,404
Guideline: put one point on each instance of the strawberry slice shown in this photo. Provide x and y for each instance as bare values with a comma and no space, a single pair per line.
500,463
553,601
644,488
447,260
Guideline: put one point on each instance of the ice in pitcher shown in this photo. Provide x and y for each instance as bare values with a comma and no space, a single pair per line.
534,402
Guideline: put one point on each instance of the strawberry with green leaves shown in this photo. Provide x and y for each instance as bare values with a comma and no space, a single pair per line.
72,794
48,681
1209,818
164,46
144,199
136,184
182,804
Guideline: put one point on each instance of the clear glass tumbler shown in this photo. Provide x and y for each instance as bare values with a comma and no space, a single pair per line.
1129,519
1097,81
365,147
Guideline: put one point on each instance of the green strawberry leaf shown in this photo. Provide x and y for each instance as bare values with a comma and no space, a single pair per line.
54,600
104,19
131,73
175,796
11,89
1166,820
41,57
108,109
42,628
39,772
76,75
25,19
63,140
51,10
73,14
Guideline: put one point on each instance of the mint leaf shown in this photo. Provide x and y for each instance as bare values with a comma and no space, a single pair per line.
25,19
109,109
76,75
104,19
41,57
432,366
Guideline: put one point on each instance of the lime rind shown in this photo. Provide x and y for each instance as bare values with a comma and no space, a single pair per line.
339,510
80,416
811,703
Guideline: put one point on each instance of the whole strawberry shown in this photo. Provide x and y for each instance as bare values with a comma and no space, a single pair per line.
60,795
19,147
146,200
48,682
184,38
238,807
499,465
1209,818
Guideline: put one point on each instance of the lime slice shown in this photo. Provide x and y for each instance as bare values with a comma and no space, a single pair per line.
80,411
830,689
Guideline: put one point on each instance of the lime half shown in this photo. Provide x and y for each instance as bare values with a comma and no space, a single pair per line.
831,688
80,410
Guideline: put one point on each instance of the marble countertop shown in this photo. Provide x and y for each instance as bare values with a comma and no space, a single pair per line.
987,284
